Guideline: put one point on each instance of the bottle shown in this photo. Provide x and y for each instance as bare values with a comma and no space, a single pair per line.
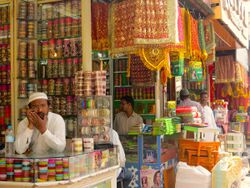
9,141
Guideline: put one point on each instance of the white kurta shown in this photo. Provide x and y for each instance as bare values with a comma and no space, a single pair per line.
53,139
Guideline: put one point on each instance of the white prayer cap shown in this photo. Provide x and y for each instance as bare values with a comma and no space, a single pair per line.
37,95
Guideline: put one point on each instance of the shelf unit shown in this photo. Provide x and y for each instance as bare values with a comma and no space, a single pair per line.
57,55
25,54
143,94
6,66
101,61
60,56
147,154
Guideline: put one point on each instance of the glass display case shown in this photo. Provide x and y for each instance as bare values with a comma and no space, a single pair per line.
95,118
55,167
131,147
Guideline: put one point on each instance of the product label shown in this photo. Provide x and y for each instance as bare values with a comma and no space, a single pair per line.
195,71
9,138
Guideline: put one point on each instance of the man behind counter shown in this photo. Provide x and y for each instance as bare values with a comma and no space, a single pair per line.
42,131
127,117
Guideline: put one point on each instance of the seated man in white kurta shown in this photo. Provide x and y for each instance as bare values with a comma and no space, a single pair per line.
41,131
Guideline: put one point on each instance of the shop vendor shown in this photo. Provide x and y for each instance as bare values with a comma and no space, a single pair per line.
127,117
41,131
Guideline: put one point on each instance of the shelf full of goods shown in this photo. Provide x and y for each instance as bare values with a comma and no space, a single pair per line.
50,53
5,69
94,108
132,78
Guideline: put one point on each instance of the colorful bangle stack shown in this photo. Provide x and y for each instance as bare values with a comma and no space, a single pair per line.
51,170
42,170
27,170
59,169
10,169
18,170
3,169
65,169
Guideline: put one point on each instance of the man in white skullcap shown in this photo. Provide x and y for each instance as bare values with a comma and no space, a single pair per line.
41,131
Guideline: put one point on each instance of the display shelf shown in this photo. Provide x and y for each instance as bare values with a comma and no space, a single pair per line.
139,100
119,72
95,117
26,38
123,86
152,153
58,18
27,19
6,67
61,58
5,37
26,59
26,78
66,37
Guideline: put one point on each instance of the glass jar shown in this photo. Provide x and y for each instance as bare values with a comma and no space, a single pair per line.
51,87
22,50
31,69
52,53
31,29
68,67
44,86
55,69
31,50
62,27
31,10
45,49
58,87
50,29
22,88
22,10
69,104
61,69
59,48
22,69
50,69
56,28
66,86
21,29
68,24
63,105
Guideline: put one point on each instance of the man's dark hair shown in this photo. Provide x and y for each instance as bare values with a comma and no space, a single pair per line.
129,100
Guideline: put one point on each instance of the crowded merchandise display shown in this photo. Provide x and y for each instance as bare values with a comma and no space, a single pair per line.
124,93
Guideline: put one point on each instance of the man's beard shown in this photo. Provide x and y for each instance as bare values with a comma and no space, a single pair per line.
41,114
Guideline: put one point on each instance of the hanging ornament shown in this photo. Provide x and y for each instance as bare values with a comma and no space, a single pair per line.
154,58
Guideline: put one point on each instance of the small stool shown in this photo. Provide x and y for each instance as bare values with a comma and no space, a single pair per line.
199,131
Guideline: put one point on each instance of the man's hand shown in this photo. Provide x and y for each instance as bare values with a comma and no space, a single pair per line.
30,118
38,122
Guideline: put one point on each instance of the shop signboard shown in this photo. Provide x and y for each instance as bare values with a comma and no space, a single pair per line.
178,83
195,71
234,14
